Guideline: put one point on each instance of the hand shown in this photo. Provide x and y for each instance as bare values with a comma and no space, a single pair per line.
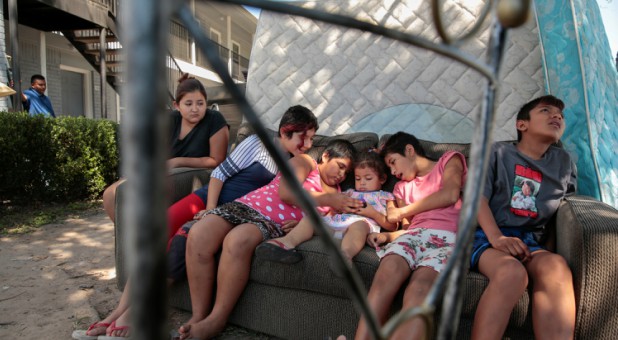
288,225
346,204
200,214
393,214
367,210
374,240
512,246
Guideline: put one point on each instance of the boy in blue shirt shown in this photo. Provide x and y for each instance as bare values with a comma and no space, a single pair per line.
34,99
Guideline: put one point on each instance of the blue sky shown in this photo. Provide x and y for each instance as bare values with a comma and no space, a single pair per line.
609,13
253,10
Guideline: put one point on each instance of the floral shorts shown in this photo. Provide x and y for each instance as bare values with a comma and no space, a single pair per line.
422,247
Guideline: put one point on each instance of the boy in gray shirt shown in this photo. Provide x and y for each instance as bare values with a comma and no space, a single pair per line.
525,183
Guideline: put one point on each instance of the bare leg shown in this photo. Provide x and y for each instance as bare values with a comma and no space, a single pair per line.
232,277
507,282
204,241
109,200
392,272
299,234
354,239
553,298
418,288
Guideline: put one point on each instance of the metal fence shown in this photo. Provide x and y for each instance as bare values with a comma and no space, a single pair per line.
144,153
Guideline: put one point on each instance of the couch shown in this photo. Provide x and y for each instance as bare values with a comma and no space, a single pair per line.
308,301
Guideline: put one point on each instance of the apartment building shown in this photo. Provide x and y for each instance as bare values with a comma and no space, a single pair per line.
62,40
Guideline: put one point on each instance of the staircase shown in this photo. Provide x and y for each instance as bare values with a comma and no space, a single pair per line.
89,41
82,22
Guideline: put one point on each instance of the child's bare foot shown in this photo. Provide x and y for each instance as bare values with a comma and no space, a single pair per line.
204,329
185,329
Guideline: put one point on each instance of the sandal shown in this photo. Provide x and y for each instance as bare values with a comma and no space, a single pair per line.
276,251
81,334
112,328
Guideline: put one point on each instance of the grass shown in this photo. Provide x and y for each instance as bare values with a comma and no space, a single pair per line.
21,219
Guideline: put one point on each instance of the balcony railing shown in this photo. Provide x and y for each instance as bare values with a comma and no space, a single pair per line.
112,5
180,42
237,65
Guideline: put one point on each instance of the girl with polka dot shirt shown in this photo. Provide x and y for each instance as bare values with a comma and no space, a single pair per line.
238,227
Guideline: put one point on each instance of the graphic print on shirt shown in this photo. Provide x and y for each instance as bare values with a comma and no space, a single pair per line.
525,188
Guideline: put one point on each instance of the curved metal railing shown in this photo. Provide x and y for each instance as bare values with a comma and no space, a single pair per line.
142,173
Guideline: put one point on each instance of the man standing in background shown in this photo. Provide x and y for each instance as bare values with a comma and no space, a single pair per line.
34,99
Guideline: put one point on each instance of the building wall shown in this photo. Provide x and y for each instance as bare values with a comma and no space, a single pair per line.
59,55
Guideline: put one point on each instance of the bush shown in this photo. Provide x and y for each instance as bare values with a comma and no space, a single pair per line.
57,160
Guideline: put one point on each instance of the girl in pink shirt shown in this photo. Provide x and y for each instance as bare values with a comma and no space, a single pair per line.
236,228
428,204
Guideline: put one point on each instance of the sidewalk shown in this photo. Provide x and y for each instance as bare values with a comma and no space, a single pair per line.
62,277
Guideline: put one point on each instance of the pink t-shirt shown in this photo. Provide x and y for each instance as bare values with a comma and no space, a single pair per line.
423,186
267,202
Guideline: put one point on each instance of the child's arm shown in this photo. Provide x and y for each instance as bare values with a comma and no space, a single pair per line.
510,245
374,240
302,166
214,191
446,196
375,215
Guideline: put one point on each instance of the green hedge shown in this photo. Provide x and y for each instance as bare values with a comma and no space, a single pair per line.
57,160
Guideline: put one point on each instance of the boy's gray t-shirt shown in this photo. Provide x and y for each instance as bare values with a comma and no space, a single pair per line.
523,192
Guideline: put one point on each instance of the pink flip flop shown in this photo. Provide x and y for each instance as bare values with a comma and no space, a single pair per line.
81,334
111,329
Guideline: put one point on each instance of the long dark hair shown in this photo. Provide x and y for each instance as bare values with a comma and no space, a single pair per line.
397,144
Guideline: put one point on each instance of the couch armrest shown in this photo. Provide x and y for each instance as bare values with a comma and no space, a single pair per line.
587,237
182,182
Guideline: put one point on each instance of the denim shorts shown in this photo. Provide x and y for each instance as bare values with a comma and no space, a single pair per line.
481,243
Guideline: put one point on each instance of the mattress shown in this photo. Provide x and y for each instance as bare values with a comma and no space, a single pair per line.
357,81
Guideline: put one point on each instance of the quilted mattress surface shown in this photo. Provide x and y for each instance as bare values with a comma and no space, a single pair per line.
357,81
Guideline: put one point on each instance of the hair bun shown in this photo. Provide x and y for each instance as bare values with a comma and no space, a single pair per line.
185,76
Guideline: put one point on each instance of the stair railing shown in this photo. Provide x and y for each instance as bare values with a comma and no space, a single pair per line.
145,163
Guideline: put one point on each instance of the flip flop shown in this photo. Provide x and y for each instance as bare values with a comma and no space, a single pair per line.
81,334
276,251
113,328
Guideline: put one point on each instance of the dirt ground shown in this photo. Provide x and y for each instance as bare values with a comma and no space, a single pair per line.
62,277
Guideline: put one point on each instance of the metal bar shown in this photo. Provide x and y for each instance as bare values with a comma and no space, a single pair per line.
437,18
210,50
144,135
13,20
479,156
103,70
